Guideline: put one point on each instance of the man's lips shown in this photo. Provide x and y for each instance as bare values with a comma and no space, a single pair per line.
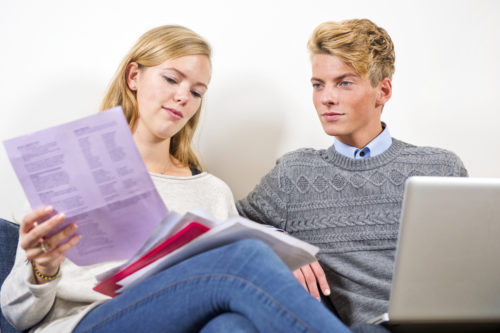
174,113
332,116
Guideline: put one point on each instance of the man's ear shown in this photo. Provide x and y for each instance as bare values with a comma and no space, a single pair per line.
384,92
132,75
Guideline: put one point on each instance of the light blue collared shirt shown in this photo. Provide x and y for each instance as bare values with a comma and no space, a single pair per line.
375,147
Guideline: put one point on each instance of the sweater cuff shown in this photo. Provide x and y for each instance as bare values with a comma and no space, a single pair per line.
39,290
275,229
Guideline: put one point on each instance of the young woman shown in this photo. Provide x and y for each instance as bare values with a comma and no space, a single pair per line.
243,286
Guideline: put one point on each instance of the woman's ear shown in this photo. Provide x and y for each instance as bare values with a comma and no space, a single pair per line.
132,75
384,91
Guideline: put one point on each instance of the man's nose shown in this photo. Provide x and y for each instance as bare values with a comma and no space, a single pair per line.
329,96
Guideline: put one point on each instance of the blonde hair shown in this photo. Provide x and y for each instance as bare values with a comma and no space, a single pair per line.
153,48
359,43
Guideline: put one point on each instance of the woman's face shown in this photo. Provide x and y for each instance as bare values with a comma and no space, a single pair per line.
168,95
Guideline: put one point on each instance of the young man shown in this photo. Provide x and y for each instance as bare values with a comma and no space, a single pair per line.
347,199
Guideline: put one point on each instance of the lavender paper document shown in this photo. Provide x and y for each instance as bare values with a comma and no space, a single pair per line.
91,170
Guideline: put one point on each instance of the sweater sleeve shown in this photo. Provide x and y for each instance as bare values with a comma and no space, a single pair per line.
267,202
24,302
460,169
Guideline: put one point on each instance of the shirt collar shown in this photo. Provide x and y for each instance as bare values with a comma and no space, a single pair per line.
375,147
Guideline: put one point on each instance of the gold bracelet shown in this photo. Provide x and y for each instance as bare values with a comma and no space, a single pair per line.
45,277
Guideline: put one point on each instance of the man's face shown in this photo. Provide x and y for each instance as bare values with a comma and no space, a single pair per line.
348,107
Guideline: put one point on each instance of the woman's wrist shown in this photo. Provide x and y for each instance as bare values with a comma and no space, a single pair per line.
43,277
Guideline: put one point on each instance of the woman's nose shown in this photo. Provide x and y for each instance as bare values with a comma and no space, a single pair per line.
182,94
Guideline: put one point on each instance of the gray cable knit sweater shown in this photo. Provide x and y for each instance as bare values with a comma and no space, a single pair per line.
349,209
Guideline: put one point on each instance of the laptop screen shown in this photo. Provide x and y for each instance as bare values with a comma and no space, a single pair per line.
448,257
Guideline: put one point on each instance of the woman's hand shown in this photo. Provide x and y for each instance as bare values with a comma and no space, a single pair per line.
46,253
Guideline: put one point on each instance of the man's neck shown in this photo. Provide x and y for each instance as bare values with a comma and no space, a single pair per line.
361,140
376,146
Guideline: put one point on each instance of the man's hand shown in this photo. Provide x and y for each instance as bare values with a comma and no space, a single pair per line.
310,276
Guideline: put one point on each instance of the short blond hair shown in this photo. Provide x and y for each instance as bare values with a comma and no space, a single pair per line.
360,43
154,48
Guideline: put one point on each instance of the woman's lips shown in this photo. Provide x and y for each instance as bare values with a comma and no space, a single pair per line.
174,113
332,116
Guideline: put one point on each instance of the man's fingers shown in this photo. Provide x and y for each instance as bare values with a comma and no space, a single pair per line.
300,277
310,276
311,281
321,278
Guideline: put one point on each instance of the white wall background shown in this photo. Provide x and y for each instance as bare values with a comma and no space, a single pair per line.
57,58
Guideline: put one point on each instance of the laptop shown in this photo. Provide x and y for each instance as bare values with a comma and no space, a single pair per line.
447,270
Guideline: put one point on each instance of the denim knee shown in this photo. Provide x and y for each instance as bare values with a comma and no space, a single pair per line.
254,253
253,246
229,322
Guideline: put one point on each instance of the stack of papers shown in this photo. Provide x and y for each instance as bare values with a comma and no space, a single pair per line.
192,235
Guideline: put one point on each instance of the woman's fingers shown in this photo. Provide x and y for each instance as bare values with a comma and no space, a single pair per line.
33,252
51,244
33,237
29,221
47,253
57,254
48,263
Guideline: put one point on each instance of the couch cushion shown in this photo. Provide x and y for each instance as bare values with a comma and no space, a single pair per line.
9,234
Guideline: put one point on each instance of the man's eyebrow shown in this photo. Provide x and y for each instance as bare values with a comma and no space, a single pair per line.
338,78
343,76
316,79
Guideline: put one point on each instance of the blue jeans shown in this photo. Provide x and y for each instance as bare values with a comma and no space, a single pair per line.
9,234
240,287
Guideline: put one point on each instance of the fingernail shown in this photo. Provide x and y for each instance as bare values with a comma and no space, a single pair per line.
318,298
327,292
60,216
47,209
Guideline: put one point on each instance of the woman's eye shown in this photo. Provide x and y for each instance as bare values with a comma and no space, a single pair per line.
170,80
195,93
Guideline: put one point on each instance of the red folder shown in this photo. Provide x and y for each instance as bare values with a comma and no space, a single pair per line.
182,237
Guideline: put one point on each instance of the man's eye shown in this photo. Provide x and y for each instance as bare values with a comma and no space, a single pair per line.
345,84
317,85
